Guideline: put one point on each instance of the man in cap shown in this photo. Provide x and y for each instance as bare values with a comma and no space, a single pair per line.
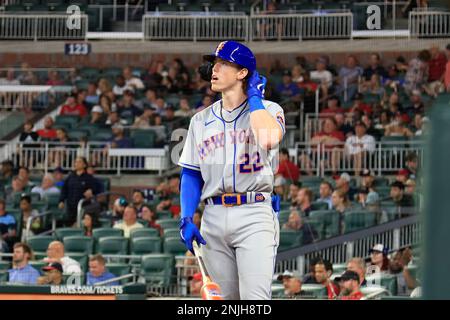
349,282
404,202
53,274
292,284
343,183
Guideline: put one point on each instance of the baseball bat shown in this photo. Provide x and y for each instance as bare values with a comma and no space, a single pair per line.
210,290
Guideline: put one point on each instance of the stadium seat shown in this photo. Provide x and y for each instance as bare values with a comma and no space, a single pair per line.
52,200
89,127
339,268
289,239
143,138
385,280
374,290
39,244
38,264
171,232
319,206
90,73
67,121
157,269
76,134
5,265
174,246
166,214
144,232
61,233
283,216
106,232
101,135
357,220
111,72
168,223
82,84
78,244
145,245
380,182
120,269
112,245
82,259
4,276
314,291
105,222
326,222
285,205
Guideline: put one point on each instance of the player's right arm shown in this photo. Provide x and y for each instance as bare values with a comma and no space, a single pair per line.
191,185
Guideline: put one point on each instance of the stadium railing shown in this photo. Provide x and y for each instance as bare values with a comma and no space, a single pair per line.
39,26
388,157
429,23
48,155
37,97
394,235
319,25
195,26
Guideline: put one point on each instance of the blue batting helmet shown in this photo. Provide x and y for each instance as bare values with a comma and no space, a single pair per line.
234,52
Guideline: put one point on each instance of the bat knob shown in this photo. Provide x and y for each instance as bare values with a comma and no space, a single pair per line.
211,291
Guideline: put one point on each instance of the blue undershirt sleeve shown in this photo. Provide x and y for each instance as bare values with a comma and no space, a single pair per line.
191,185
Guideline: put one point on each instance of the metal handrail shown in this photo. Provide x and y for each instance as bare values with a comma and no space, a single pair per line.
125,276
373,295
30,220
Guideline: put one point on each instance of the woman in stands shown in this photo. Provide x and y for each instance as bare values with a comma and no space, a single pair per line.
379,262
90,222
341,204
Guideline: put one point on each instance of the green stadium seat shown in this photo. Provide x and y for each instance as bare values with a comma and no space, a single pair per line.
145,245
326,222
101,135
174,246
394,142
120,269
106,232
90,128
283,216
61,233
339,268
289,239
374,290
105,222
39,244
144,232
385,280
357,220
317,291
143,138
319,206
90,73
78,244
112,245
157,269
285,205
277,291
168,223
82,259
111,72
166,214
67,121
380,182
4,276
171,233
52,200
5,265
82,84
76,134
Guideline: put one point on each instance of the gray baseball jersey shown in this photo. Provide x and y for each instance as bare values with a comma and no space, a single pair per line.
225,152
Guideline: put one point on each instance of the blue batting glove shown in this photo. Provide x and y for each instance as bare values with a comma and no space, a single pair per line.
189,232
256,85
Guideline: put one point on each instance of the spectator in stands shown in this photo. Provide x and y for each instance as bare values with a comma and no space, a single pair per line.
375,67
341,204
384,121
17,187
53,274
379,261
28,135
402,176
367,179
412,165
10,79
349,78
53,79
417,106
333,106
370,129
195,284
22,272
98,273
279,187
143,121
436,69
286,168
417,73
359,146
359,266
404,202
343,184
184,110
78,185
398,127
119,140
368,198
27,212
174,185
349,283
399,267
116,212
48,132
325,192
107,104
292,284
447,70
138,201
104,87
294,187
120,86
296,223
197,218
322,272
322,76
114,119
359,106
71,108
127,108
8,228
90,222
170,121
149,216
129,221
55,254
132,81
7,171
58,177
304,198
149,100
165,204
97,116
24,175
47,186
287,89
92,98
410,187
26,76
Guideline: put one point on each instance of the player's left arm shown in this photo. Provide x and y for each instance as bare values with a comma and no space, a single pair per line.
267,124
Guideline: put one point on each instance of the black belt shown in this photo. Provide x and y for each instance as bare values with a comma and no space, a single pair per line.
235,199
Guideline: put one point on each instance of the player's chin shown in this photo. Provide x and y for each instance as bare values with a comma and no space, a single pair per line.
216,87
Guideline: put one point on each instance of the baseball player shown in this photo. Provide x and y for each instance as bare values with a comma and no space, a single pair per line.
227,162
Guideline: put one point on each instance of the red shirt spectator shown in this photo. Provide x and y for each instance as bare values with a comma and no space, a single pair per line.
354,296
73,109
447,71
287,169
332,290
350,286
436,65
359,105
330,136
47,132
333,106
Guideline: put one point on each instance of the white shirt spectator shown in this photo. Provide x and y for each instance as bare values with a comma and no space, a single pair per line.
43,192
126,228
324,77
355,145
135,83
118,91
70,266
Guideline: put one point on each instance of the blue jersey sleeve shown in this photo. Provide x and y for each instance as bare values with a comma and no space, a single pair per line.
191,185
